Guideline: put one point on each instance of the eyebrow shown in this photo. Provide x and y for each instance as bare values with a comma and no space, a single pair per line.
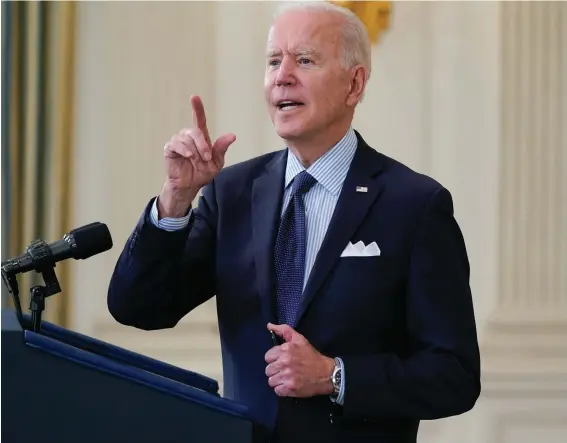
277,52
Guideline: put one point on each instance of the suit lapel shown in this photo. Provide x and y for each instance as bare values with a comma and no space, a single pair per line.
267,193
349,213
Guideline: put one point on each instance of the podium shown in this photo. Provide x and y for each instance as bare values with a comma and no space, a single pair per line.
64,387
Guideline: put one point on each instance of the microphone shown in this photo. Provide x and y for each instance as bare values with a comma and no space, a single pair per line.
80,243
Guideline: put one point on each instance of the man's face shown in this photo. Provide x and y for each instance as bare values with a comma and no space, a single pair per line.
303,68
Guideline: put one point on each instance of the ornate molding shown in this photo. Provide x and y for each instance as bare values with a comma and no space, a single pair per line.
374,14
525,343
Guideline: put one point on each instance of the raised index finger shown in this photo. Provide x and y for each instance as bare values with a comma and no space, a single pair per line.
199,118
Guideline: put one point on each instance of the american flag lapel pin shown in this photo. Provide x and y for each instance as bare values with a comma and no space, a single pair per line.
361,189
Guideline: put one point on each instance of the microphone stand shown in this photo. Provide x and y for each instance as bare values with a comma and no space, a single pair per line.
39,293
41,253
12,284
46,267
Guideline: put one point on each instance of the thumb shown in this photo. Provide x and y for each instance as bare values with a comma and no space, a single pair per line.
284,331
222,143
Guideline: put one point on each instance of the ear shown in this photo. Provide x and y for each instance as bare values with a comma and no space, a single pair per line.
358,80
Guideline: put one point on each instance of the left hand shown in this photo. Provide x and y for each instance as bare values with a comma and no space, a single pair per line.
296,368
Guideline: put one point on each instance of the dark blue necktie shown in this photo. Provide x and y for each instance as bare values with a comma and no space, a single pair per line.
289,254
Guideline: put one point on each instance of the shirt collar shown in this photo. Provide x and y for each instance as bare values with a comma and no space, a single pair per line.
330,169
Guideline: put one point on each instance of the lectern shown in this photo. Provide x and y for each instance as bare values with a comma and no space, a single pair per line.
63,387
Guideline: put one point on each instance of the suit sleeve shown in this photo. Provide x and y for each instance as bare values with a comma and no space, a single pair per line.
162,275
439,375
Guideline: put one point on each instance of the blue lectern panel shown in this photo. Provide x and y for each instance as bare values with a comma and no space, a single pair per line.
119,354
55,392
103,364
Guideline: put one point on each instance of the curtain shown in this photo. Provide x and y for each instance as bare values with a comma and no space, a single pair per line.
37,131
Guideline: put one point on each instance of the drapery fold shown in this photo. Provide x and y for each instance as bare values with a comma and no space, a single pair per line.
37,136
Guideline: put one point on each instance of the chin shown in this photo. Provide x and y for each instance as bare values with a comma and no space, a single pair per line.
289,130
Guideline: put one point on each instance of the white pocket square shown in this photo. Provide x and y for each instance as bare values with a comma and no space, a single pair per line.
360,250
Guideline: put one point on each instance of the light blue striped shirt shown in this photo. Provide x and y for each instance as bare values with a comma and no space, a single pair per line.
330,171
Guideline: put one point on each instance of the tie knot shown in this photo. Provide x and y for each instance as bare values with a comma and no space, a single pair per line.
303,182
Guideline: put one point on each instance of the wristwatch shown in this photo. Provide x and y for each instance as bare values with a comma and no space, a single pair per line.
336,378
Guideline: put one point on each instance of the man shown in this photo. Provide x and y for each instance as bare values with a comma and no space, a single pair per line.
352,260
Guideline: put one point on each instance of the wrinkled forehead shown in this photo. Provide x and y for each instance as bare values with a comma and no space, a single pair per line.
304,32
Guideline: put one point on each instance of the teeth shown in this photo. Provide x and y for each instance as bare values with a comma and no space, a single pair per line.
287,105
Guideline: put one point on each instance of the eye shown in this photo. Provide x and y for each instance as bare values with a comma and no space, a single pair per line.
304,61
273,62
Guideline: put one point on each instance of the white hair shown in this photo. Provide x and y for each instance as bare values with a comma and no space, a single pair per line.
355,42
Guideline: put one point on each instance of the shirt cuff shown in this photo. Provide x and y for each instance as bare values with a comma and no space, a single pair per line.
168,223
339,399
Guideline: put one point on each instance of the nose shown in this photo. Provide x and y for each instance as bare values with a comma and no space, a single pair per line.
286,73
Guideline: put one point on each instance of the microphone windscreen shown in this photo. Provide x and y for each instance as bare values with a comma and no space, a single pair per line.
91,239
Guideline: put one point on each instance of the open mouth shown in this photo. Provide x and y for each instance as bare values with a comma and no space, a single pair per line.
288,105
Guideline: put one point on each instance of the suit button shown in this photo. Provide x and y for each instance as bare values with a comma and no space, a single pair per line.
331,418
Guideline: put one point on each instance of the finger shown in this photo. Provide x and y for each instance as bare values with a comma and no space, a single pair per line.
273,354
271,369
283,391
222,144
275,380
282,377
176,148
199,117
275,367
203,145
181,144
194,138
284,331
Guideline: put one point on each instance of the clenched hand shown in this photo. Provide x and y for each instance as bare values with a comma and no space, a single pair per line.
296,368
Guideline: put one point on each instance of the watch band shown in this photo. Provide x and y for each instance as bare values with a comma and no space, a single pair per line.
336,378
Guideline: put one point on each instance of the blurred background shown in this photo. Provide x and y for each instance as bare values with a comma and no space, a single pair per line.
471,93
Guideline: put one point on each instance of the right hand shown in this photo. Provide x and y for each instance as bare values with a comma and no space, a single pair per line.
191,162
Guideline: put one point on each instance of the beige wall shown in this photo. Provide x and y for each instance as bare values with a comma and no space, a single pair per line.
436,101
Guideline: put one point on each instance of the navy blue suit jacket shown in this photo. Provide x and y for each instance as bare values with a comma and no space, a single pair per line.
403,321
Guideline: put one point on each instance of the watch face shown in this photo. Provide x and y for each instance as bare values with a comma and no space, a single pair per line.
337,378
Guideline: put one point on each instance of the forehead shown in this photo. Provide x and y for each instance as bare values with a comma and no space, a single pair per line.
305,32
